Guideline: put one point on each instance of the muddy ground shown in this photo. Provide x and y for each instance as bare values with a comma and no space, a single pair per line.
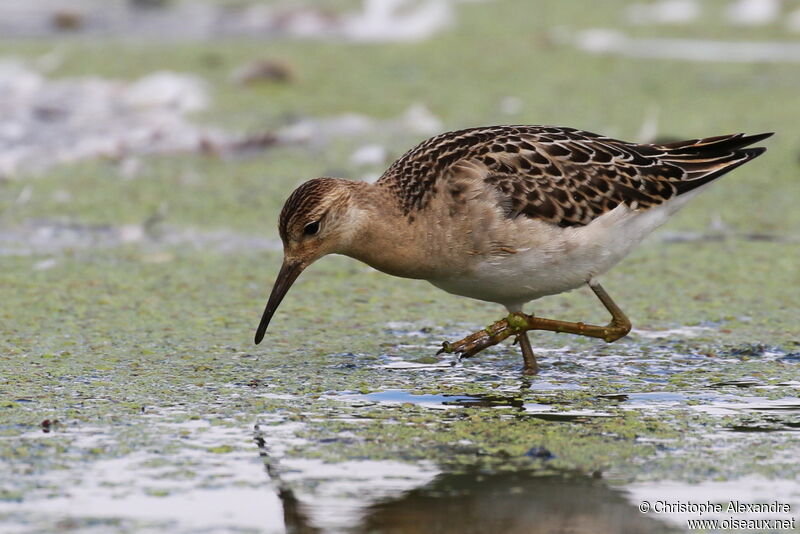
140,182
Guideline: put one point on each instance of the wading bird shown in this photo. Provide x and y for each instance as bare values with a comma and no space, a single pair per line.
504,214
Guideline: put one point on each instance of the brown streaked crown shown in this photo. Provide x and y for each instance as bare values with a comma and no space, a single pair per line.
305,204
564,176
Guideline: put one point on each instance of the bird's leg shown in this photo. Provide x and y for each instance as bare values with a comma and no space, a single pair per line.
520,323
530,366
620,325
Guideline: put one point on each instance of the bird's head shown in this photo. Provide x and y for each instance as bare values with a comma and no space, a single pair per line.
314,221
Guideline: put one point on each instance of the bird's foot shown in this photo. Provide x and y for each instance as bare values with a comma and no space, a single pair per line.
493,334
517,324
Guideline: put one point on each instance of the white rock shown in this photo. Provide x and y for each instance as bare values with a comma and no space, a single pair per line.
17,81
602,41
351,124
317,131
663,12
46,122
44,265
398,20
511,105
178,91
373,154
753,12
130,168
131,233
418,119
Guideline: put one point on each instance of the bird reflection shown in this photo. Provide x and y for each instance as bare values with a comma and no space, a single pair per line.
476,501
520,502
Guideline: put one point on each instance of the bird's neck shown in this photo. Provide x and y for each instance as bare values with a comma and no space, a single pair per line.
384,237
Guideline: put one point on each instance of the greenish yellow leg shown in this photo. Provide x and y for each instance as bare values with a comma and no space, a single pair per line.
530,367
519,324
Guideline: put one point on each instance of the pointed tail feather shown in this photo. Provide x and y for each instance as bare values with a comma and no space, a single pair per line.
708,145
706,159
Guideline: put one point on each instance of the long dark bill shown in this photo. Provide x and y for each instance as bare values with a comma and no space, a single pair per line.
286,277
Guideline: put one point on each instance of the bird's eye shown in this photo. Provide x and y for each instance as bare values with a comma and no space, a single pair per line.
311,228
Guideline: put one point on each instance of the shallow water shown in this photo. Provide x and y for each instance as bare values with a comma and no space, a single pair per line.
133,400
305,433
304,437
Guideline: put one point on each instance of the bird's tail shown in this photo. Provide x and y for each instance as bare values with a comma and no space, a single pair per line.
707,159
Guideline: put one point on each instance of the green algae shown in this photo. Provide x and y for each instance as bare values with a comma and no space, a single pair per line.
106,342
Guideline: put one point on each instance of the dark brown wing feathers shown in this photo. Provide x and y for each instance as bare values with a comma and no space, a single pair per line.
565,176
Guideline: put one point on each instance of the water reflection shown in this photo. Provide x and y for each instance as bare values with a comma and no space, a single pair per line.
511,503
473,501
444,401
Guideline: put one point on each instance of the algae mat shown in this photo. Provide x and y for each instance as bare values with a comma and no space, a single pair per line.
133,400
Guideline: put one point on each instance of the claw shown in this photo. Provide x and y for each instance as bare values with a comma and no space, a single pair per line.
476,342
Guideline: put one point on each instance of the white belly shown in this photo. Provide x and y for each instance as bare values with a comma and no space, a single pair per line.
519,278
553,260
